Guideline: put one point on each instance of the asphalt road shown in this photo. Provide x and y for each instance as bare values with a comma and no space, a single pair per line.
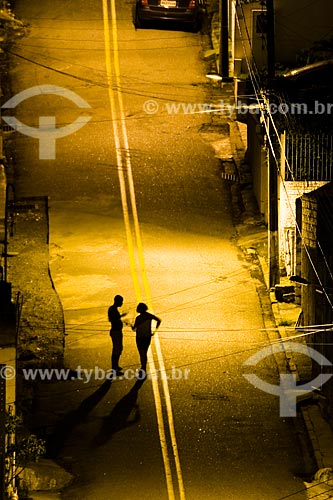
137,207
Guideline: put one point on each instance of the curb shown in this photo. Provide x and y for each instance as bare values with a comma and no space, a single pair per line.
313,438
317,428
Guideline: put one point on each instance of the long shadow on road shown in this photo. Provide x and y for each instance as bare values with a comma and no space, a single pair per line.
119,418
63,430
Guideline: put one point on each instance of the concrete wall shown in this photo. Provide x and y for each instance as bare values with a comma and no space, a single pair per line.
248,41
2,202
317,207
309,240
289,191
256,156
8,357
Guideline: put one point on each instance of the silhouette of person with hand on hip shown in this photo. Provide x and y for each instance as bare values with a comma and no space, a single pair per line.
116,333
142,327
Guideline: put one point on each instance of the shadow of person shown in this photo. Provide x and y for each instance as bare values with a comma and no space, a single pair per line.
119,418
56,441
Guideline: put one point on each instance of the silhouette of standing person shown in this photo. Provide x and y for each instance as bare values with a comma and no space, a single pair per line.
142,327
116,333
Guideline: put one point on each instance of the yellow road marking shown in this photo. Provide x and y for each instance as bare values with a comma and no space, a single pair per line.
118,147
138,241
170,417
126,147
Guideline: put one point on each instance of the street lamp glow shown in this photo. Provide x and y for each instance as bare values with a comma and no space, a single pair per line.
214,76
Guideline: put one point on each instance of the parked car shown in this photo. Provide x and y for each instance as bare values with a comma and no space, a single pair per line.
185,12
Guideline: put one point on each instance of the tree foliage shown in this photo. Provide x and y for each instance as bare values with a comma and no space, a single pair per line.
319,51
21,448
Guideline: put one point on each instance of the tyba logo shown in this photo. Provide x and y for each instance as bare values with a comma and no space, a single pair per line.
47,132
287,390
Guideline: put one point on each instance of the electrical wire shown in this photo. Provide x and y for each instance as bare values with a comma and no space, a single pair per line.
265,109
258,91
256,345
326,481
243,351
253,77
303,8
203,359
164,96
291,208
124,49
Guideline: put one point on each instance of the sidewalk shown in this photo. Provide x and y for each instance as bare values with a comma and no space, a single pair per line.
40,324
252,239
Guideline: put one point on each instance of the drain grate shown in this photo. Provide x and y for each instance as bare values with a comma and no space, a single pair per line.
7,129
25,208
207,396
30,204
229,177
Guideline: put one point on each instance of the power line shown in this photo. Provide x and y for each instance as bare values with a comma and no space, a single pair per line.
257,345
125,49
264,108
271,146
326,481
292,210
96,83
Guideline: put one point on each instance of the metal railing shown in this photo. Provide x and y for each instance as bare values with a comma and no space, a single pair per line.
310,157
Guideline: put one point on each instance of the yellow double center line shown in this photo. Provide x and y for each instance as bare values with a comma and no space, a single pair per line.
134,243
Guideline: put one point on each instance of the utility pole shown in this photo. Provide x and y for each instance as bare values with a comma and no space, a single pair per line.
2,433
224,39
273,215
9,187
270,40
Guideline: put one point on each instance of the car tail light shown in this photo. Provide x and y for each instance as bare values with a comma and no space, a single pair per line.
191,5
144,3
